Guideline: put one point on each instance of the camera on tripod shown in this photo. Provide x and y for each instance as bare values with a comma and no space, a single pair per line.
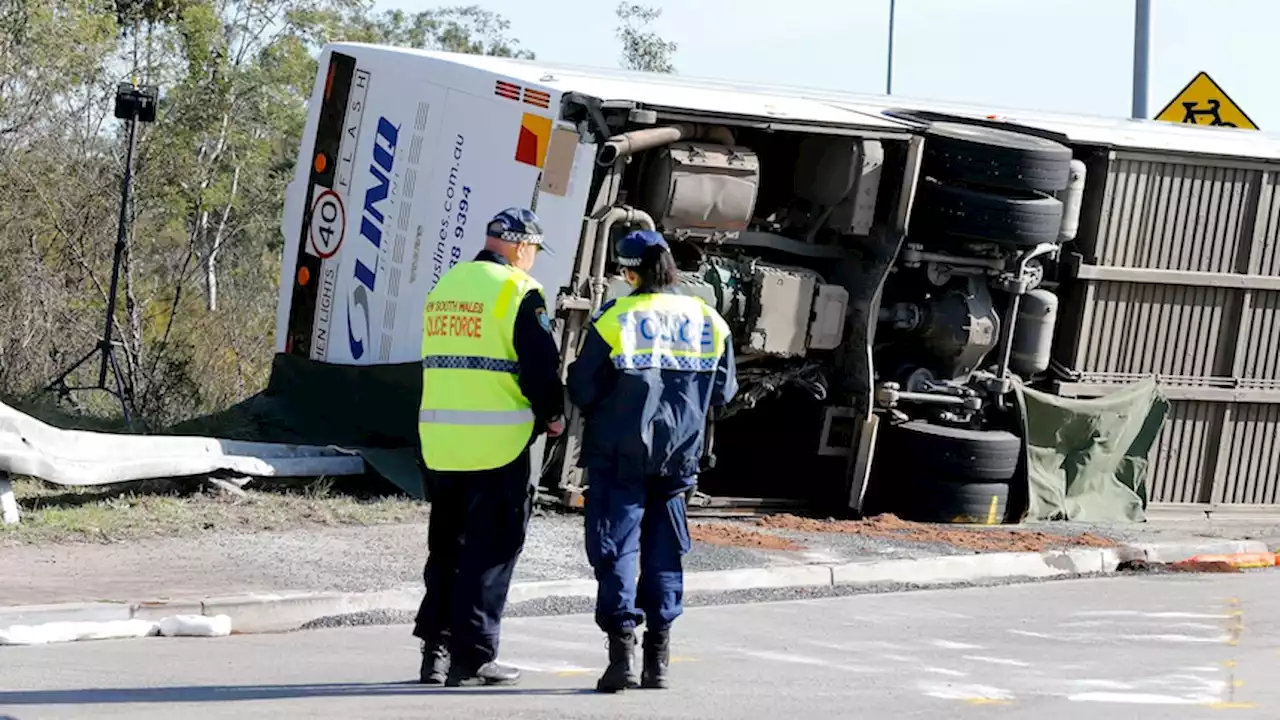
136,103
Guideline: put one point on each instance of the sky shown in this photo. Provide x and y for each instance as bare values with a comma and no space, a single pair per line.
1049,55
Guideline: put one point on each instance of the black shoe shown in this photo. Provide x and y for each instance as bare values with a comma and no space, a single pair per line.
490,673
657,656
621,674
435,665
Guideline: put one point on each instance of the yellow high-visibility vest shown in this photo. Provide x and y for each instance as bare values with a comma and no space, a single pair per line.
664,331
473,415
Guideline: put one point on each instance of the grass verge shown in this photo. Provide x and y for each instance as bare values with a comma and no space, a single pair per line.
129,511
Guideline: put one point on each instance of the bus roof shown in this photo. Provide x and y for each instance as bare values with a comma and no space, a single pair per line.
779,104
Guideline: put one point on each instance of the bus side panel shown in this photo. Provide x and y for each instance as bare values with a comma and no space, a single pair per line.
400,180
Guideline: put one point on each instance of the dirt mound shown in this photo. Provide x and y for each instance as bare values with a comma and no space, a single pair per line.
978,539
738,536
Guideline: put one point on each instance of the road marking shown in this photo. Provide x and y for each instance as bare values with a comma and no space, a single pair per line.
550,643
1231,706
1103,684
988,701
1134,698
1160,615
949,645
945,671
997,661
554,668
968,693
806,660
1177,638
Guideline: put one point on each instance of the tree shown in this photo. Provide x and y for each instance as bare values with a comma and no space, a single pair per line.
642,48
200,278
466,29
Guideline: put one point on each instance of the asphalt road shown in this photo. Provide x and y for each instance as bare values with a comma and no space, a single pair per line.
1176,646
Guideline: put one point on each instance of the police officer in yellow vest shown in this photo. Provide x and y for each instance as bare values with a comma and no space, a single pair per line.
490,386
652,365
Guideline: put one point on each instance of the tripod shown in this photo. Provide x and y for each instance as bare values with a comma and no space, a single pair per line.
133,105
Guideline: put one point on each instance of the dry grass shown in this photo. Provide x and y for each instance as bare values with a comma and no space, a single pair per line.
55,514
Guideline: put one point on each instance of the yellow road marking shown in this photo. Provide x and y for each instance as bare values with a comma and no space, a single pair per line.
1232,706
988,701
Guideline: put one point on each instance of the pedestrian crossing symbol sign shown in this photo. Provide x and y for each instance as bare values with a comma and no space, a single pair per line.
1204,102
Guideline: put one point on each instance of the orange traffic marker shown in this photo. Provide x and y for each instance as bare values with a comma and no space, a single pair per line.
1240,560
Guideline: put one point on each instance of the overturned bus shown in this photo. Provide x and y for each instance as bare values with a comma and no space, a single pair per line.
945,311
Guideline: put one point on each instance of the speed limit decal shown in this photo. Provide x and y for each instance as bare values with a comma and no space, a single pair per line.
328,224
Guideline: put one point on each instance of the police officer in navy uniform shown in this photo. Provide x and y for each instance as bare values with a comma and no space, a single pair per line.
491,385
652,365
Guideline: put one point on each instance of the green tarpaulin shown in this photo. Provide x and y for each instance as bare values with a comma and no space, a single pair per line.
1087,459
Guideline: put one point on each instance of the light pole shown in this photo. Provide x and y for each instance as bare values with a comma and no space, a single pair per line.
888,73
1141,57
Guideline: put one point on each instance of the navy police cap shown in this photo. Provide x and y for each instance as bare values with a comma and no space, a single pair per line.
517,225
634,245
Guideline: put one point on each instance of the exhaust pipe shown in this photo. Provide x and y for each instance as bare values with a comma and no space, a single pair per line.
630,143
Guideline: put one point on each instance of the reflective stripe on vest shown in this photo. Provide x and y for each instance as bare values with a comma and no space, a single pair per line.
473,415
663,331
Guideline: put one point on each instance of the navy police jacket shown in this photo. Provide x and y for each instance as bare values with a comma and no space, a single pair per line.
652,366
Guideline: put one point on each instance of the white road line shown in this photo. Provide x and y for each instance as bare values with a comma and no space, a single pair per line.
807,660
1165,615
553,643
951,691
997,661
949,645
1137,699
1177,638
946,672
554,667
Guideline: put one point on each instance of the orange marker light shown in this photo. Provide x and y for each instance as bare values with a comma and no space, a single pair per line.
321,162
304,276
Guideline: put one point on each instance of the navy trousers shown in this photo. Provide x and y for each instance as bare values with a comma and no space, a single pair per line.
477,530
637,534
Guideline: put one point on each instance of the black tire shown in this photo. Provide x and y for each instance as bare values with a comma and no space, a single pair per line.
926,450
994,158
948,210
940,501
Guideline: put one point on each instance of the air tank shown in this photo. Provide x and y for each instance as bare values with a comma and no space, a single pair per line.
1072,203
1033,333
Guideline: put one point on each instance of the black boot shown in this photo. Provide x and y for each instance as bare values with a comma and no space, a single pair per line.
657,656
435,664
621,673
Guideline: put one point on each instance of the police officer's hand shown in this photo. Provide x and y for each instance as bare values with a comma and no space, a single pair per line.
555,428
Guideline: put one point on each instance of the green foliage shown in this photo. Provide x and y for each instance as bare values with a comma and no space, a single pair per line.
464,29
197,303
642,48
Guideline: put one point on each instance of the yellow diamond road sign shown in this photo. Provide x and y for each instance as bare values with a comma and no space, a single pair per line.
1203,102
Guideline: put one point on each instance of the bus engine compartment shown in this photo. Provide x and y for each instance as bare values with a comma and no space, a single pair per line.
910,278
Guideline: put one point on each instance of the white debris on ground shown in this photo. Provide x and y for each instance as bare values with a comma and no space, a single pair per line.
63,632
196,626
